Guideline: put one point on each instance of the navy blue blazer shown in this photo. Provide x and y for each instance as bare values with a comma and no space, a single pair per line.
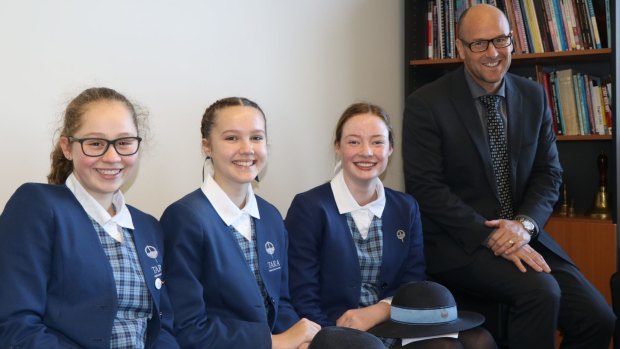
216,300
324,270
58,287
448,166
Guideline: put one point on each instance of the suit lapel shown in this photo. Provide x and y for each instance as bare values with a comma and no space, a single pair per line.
468,114
514,109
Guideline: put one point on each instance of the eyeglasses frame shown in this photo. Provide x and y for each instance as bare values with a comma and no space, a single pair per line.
108,143
489,41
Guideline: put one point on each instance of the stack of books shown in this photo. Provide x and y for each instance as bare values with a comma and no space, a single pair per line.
580,103
537,25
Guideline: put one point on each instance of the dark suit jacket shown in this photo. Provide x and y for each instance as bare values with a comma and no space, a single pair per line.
448,165
214,294
59,289
325,275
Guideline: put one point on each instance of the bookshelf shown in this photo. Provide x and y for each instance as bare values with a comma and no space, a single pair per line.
592,243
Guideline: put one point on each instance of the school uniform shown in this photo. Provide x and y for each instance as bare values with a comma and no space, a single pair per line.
329,272
218,299
60,288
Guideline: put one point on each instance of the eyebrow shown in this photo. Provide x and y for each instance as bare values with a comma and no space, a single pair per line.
101,135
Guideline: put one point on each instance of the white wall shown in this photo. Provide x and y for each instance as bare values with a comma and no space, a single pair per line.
302,61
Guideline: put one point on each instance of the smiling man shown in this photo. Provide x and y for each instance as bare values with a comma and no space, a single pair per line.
480,157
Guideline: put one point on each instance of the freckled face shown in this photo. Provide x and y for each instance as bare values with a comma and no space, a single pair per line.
237,146
102,176
364,148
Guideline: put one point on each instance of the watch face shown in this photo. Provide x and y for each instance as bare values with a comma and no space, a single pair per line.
527,224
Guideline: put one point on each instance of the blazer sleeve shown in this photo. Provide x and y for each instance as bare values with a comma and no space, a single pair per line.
303,222
194,326
287,316
543,179
166,339
27,230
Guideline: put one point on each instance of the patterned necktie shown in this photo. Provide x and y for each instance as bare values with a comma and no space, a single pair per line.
499,153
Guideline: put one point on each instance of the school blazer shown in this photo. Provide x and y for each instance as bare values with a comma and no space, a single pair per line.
325,278
58,287
448,166
214,294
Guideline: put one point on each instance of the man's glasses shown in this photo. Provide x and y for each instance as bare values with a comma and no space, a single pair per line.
94,147
483,45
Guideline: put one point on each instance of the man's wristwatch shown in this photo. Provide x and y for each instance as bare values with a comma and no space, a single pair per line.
528,225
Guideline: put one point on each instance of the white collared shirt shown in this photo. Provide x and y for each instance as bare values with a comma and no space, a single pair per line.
112,225
362,215
228,211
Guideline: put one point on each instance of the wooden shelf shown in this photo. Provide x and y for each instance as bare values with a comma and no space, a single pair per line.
584,138
547,57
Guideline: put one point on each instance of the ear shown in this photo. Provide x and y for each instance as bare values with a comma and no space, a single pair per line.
337,148
206,148
390,151
65,145
460,48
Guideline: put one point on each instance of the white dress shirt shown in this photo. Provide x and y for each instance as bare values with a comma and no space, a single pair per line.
112,225
362,215
239,218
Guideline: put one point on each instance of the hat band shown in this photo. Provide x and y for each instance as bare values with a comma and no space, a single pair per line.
423,316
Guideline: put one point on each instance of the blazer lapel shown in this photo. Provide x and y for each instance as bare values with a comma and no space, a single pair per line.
396,241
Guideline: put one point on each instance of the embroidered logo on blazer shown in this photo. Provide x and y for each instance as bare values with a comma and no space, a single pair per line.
273,264
152,253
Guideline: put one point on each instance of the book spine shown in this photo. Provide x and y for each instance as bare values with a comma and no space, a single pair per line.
576,30
558,20
595,95
532,24
579,104
608,22
568,101
583,24
585,84
516,39
451,31
543,26
440,27
429,30
521,27
593,25
551,27
555,104
607,103
547,88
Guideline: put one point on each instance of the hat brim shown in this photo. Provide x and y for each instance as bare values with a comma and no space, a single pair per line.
391,329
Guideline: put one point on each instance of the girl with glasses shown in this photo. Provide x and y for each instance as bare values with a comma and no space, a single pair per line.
81,268
226,247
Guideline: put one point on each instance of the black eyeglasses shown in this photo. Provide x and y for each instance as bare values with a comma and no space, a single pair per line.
94,147
483,45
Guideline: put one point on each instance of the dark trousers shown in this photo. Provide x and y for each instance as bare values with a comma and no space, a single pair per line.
539,303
